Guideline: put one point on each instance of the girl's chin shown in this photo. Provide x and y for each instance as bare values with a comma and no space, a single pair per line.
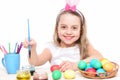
69,43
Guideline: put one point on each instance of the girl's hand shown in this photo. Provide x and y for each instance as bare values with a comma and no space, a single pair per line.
65,65
32,43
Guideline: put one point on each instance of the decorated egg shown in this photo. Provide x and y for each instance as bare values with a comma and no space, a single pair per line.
56,74
97,64
88,66
92,61
82,65
104,60
100,72
69,74
108,66
54,67
92,71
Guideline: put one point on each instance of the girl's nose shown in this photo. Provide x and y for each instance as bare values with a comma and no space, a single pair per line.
69,31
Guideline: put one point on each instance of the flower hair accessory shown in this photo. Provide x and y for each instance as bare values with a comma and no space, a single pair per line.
71,5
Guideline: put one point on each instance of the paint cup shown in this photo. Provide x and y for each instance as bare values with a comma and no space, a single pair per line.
11,62
23,75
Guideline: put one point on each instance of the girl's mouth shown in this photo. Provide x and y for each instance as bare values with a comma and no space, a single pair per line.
68,37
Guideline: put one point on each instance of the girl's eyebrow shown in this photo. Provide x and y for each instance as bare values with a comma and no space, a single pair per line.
75,25
62,24
66,25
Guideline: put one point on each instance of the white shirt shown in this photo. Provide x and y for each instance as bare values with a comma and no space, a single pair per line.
63,54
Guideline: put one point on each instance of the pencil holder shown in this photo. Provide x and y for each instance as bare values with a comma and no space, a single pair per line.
11,62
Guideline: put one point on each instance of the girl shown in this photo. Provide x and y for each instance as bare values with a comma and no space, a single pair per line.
70,43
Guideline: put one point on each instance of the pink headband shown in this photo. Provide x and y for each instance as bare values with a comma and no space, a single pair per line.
71,6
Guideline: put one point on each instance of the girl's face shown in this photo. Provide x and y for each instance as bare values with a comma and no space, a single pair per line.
68,29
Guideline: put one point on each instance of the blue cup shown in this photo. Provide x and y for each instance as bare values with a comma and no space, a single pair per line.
11,62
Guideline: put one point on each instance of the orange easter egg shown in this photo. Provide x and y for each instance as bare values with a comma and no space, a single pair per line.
108,66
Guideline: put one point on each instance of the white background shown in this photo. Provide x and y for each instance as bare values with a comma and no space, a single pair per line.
102,16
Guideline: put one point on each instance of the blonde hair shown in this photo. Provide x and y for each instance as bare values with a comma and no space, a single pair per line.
82,41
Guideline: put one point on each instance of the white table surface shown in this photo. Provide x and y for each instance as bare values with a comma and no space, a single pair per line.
5,76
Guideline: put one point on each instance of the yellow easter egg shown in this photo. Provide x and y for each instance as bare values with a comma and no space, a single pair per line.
104,61
69,74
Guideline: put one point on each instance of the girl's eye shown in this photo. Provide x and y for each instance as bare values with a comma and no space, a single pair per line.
63,27
74,28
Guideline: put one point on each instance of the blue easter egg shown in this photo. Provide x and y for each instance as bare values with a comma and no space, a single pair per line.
92,61
97,65
100,71
88,66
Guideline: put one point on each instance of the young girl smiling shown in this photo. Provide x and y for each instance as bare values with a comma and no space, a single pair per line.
70,43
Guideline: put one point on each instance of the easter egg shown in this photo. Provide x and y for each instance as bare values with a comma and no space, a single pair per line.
54,67
69,74
100,72
92,71
92,61
97,65
56,74
82,65
104,60
88,66
108,66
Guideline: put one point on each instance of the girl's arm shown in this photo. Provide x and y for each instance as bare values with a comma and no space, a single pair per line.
42,58
36,59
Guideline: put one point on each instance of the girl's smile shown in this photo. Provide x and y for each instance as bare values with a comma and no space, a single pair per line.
68,37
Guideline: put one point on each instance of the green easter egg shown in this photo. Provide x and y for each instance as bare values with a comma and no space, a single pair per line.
56,74
82,65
